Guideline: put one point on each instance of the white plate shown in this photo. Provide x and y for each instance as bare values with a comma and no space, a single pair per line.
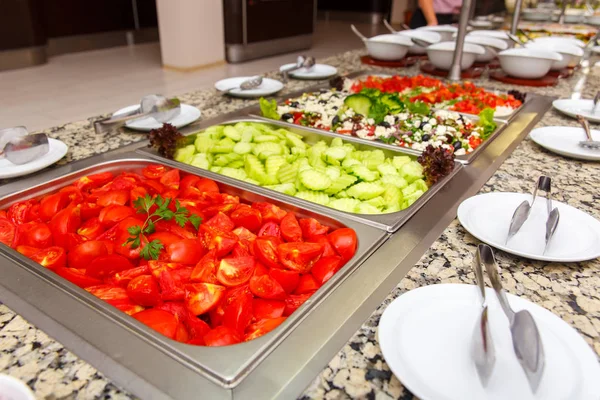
266,88
318,71
487,217
564,140
187,115
14,389
57,151
573,107
426,336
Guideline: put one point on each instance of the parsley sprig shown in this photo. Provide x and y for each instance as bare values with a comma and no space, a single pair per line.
143,205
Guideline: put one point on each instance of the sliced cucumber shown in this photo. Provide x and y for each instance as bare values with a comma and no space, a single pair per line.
359,103
232,133
242,148
365,190
315,180
287,173
363,173
334,155
340,184
315,197
273,164
348,205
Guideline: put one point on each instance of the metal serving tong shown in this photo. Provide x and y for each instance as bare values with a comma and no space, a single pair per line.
522,212
156,106
484,352
526,339
20,147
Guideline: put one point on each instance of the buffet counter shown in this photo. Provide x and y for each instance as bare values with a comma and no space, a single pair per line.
358,370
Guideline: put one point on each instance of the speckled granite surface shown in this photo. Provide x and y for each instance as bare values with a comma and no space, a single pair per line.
358,370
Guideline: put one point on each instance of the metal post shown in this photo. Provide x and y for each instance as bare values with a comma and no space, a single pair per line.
516,14
465,12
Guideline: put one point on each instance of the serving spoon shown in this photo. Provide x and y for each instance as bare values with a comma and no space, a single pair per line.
19,147
248,84
302,62
391,28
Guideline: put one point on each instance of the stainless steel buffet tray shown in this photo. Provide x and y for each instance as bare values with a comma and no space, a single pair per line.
133,354
391,222
465,159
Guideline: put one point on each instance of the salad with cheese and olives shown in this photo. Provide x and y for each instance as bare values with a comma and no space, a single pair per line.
385,117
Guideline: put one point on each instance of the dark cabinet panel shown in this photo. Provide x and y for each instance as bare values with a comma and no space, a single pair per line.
371,6
274,19
20,24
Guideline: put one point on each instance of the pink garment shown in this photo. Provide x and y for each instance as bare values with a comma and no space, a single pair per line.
447,6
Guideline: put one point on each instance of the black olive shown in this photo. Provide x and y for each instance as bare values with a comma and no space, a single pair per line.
335,120
457,145
334,107
287,116
425,137
384,124
322,102
294,104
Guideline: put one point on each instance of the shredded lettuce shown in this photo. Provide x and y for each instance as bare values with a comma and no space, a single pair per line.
378,111
486,121
269,109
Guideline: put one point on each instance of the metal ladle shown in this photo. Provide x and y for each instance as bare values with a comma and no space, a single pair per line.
590,143
391,28
156,106
248,84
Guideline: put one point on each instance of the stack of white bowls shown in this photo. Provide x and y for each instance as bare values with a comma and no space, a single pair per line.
441,54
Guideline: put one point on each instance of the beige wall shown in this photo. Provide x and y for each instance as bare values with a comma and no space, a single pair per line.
191,33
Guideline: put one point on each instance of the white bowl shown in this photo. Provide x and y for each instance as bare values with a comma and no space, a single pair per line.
446,31
552,40
527,63
493,34
428,36
441,54
491,46
535,14
571,54
593,19
388,47
481,24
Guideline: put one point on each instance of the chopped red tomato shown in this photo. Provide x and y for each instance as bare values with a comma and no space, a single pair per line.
161,321
344,242
262,327
201,297
144,290
299,256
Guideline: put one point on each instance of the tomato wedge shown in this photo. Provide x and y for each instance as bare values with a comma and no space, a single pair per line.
64,222
82,255
171,179
287,279
270,212
144,290
266,287
344,242
107,265
265,249
52,257
293,301
19,213
91,229
186,251
207,185
114,213
113,197
324,269
51,205
311,227
238,314
266,309
270,229
161,321
290,228
262,327
7,232
235,271
307,284
202,297
206,269
222,336
247,217
77,277
299,256
154,171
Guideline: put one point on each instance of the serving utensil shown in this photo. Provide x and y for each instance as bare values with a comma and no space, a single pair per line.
526,339
357,33
522,212
590,143
484,352
421,42
248,84
515,39
302,62
156,106
391,28
19,147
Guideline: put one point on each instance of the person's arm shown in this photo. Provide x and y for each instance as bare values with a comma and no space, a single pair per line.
428,11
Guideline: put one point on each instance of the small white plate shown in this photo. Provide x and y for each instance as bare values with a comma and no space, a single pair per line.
487,217
572,107
564,140
318,71
57,151
266,88
187,115
14,389
426,337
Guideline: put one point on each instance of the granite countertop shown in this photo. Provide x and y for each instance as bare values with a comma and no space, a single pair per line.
358,371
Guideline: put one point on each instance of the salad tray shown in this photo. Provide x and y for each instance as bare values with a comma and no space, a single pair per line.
139,358
390,222
533,102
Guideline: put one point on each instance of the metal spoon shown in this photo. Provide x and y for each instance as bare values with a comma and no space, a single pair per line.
23,149
515,39
391,28
526,339
156,106
590,143
357,33
421,42
248,84
484,352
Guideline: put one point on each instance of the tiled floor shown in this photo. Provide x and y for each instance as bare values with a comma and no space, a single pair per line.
76,86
